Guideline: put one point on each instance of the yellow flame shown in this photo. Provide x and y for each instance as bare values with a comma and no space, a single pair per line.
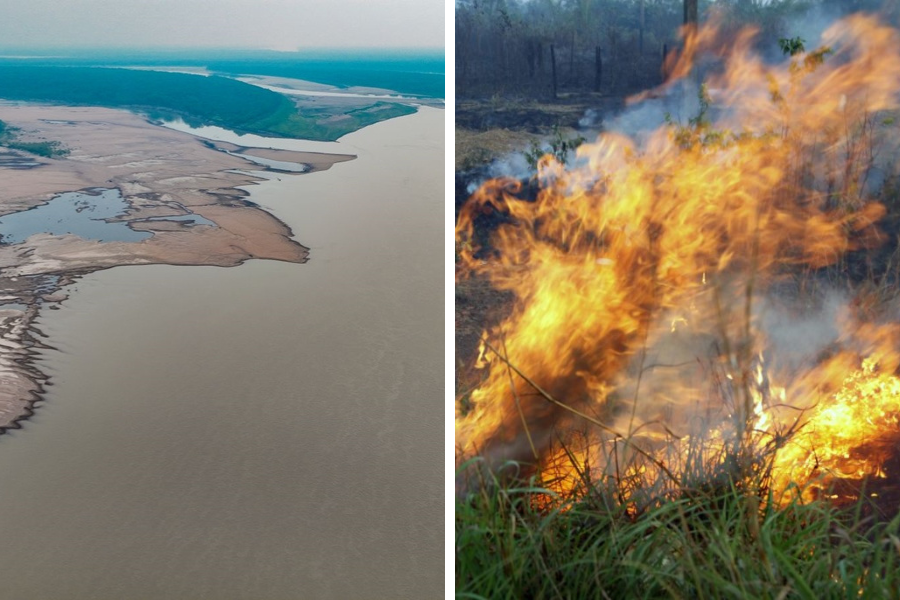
638,275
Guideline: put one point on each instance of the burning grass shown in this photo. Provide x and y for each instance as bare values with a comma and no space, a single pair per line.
702,342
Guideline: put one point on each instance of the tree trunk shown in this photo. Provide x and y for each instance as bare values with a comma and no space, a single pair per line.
691,16
690,24
531,57
553,65
572,77
663,69
641,31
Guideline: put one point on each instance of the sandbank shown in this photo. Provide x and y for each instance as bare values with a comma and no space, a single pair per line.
160,173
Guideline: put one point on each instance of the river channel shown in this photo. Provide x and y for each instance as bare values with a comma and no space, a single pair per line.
269,431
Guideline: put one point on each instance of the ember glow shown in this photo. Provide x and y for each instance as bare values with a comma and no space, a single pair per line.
645,275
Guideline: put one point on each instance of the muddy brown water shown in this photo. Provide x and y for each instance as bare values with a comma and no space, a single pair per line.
267,431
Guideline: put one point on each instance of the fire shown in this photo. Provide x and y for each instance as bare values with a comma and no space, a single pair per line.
849,435
644,276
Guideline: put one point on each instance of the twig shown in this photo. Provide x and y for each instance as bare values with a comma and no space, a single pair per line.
512,385
577,412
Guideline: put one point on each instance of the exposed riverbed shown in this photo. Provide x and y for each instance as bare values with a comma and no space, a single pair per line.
267,431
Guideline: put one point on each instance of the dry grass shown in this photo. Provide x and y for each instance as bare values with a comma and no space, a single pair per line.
474,148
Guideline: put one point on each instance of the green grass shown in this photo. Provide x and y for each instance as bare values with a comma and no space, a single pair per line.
727,543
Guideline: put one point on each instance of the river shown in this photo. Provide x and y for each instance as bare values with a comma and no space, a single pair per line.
273,430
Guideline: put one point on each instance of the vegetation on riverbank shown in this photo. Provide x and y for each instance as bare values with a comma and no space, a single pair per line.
198,100
9,137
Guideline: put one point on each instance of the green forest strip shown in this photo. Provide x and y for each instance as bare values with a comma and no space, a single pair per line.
198,100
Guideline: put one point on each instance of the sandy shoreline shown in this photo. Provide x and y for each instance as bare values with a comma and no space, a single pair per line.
162,174
316,161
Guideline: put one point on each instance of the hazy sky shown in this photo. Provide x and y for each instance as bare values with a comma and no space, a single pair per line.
270,24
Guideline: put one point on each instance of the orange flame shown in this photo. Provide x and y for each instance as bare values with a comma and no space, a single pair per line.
641,277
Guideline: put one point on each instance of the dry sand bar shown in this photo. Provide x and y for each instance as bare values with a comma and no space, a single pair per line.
185,192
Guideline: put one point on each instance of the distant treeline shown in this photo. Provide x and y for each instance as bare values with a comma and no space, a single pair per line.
412,72
419,77
198,100
611,47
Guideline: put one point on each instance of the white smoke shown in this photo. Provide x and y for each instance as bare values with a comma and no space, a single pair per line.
799,335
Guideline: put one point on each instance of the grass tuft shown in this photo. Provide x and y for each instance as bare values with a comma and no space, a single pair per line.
722,544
